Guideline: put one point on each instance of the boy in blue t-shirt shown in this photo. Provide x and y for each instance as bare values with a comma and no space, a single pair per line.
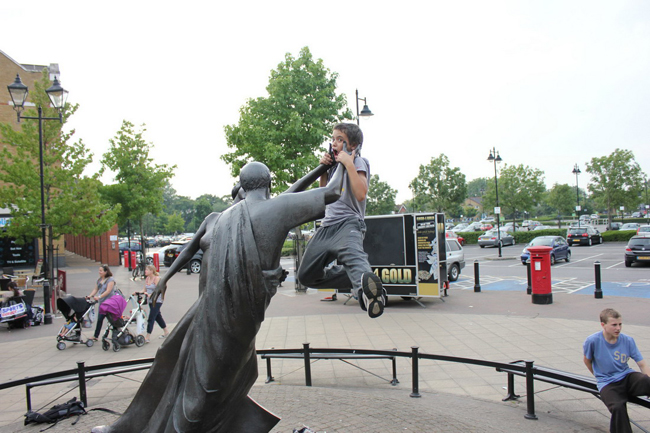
341,233
606,354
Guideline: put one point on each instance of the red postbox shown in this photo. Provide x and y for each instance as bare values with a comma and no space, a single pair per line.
134,259
125,258
156,261
540,274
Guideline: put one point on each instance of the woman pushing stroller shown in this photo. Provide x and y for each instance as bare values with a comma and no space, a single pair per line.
150,282
105,288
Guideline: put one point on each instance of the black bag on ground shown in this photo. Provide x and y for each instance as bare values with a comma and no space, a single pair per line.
57,412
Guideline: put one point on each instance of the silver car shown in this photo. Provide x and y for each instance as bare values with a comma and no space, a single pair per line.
490,238
455,259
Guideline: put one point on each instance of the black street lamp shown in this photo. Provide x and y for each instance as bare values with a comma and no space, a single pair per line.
494,158
365,111
58,96
576,171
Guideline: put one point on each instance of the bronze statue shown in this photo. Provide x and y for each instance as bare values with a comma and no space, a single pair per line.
202,373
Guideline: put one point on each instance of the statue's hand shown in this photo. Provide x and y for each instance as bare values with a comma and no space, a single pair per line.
160,290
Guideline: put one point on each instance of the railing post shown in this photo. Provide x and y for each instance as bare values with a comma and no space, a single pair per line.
530,392
511,388
598,292
307,364
394,382
477,282
529,287
82,383
28,397
415,373
269,375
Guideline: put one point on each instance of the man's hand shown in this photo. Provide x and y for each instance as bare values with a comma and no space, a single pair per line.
160,290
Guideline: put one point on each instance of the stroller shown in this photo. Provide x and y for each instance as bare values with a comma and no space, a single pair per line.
120,334
75,310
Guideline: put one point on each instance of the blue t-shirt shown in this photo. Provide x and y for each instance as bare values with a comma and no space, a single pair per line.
609,361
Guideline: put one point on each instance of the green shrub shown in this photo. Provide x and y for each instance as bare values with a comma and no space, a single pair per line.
618,235
287,248
471,238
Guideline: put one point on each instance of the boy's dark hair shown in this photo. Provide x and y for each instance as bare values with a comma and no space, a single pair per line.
352,131
607,313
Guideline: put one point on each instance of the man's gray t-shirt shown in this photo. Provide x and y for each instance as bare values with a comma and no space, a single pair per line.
348,206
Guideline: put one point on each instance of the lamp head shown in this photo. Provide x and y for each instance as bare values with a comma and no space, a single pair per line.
18,92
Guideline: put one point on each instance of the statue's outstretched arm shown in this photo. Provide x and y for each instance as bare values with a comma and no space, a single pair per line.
311,177
335,185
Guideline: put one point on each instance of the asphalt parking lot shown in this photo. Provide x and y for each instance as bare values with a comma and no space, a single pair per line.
576,276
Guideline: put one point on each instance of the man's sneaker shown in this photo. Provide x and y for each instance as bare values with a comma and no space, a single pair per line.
374,291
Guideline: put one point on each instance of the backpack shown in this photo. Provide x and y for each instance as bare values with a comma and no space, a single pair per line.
57,412
61,411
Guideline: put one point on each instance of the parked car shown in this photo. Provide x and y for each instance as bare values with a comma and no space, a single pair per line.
490,238
540,227
452,235
473,227
637,215
455,259
488,220
614,226
517,228
560,251
594,216
637,250
530,224
630,226
585,235
174,250
459,228
643,230
135,246
486,226
160,253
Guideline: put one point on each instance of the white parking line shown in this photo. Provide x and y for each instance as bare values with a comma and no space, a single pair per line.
614,265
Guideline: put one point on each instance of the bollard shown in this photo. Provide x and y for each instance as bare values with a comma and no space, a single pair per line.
415,372
529,288
598,292
477,277
156,261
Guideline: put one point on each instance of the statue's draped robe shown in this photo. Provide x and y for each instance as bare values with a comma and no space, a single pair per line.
202,373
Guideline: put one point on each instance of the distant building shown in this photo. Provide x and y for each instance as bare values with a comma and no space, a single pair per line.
475,202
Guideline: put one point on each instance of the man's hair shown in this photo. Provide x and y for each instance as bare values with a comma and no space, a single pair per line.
607,313
352,131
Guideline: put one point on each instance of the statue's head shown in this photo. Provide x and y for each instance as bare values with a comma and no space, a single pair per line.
255,175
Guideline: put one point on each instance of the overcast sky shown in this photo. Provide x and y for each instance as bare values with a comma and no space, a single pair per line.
548,83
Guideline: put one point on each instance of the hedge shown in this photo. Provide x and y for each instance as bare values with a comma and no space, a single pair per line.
471,238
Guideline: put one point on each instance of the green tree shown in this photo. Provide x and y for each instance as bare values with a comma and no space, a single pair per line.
616,180
286,129
439,187
477,187
140,182
561,198
381,197
175,224
520,189
72,203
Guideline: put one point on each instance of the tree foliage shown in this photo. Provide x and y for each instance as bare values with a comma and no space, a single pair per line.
438,187
477,187
381,197
72,203
520,189
561,198
616,180
286,129
140,182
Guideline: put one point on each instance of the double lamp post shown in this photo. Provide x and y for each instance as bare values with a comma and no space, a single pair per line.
58,96
494,158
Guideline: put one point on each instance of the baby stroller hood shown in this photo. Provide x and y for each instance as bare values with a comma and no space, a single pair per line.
114,305
70,305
